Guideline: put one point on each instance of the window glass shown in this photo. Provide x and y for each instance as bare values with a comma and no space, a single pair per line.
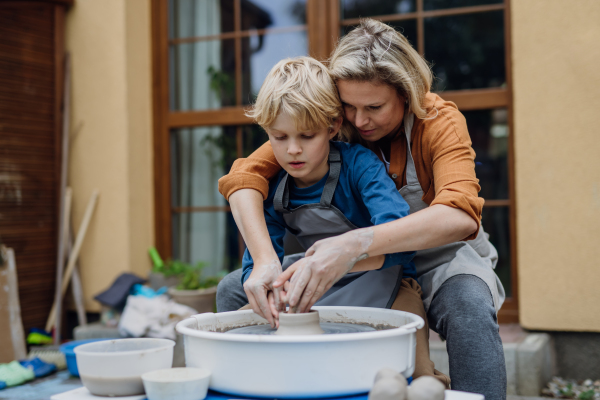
261,14
370,8
467,51
253,137
193,18
202,75
441,4
199,157
495,221
261,52
209,237
489,134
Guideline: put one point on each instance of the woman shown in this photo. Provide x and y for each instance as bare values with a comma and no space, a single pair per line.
384,85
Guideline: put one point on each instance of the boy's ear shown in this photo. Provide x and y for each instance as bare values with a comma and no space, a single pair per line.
335,127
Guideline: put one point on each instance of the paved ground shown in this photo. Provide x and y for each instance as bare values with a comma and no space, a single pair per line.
42,389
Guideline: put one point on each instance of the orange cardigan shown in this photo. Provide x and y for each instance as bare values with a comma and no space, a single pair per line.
441,149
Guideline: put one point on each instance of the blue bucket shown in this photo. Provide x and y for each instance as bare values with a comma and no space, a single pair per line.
67,350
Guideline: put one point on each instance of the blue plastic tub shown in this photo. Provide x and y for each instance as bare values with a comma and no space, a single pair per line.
67,350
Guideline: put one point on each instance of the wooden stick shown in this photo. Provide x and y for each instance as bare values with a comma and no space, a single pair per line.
76,287
13,307
73,257
60,256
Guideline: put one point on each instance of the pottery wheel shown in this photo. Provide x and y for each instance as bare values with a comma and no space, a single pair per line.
330,328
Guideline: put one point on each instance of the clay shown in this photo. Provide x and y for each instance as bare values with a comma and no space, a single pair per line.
426,388
388,388
329,328
102,386
390,373
299,324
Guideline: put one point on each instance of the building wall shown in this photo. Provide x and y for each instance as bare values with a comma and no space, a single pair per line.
109,42
555,55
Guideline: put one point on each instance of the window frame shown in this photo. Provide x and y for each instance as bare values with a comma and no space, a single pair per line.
323,21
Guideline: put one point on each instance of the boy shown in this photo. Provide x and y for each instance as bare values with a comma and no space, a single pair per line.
328,188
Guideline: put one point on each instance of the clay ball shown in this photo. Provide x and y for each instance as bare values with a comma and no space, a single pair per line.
387,373
426,388
388,388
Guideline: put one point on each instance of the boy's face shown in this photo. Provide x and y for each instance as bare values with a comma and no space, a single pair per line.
303,154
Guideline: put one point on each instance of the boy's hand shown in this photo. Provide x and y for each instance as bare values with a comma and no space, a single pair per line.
258,286
326,262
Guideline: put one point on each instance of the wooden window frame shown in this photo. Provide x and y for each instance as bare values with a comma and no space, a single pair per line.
323,21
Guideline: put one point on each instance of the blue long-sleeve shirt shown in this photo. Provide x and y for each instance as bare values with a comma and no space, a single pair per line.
365,194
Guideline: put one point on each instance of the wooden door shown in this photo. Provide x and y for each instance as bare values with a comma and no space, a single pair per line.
31,64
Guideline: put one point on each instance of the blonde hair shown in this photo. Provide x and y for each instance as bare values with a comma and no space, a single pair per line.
376,52
301,88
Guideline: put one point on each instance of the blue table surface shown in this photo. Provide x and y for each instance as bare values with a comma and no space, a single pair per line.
220,396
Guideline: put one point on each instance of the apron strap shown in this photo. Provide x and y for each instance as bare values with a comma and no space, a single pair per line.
282,195
411,171
335,166
281,200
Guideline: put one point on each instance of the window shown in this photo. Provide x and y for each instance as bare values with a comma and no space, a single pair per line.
467,43
211,57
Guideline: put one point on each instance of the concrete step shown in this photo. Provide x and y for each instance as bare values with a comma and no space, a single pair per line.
529,359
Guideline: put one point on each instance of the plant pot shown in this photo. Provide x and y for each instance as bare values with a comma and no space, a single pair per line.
201,300
156,281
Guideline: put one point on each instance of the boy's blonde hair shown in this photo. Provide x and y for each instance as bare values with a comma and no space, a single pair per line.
301,88
376,52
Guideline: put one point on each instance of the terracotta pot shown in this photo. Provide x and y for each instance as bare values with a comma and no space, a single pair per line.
201,300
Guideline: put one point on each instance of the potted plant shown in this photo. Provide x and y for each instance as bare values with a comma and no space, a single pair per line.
185,282
163,274
194,290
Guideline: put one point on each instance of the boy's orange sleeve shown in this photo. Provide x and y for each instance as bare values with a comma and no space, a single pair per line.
253,172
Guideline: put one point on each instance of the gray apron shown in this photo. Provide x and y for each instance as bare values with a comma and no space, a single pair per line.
313,222
434,266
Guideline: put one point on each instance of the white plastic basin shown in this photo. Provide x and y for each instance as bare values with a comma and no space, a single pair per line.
300,366
114,367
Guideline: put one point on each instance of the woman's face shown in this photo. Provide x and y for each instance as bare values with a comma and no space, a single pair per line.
374,108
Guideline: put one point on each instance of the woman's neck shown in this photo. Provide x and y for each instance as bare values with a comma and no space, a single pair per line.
385,143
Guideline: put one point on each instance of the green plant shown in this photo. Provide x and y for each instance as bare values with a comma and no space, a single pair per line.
192,279
587,395
171,268
222,84
190,275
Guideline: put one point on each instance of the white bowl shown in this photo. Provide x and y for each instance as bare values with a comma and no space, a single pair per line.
114,367
316,366
177,383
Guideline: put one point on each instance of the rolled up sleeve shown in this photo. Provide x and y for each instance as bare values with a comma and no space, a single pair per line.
453,163
253,172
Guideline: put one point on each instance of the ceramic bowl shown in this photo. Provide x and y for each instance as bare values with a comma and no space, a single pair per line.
177,383
115,367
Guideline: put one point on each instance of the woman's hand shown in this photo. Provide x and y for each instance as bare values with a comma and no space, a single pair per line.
262,296
326,262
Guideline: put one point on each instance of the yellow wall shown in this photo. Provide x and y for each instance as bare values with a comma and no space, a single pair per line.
555,56
110,45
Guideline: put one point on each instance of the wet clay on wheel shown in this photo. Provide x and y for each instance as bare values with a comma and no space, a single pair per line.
299,324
